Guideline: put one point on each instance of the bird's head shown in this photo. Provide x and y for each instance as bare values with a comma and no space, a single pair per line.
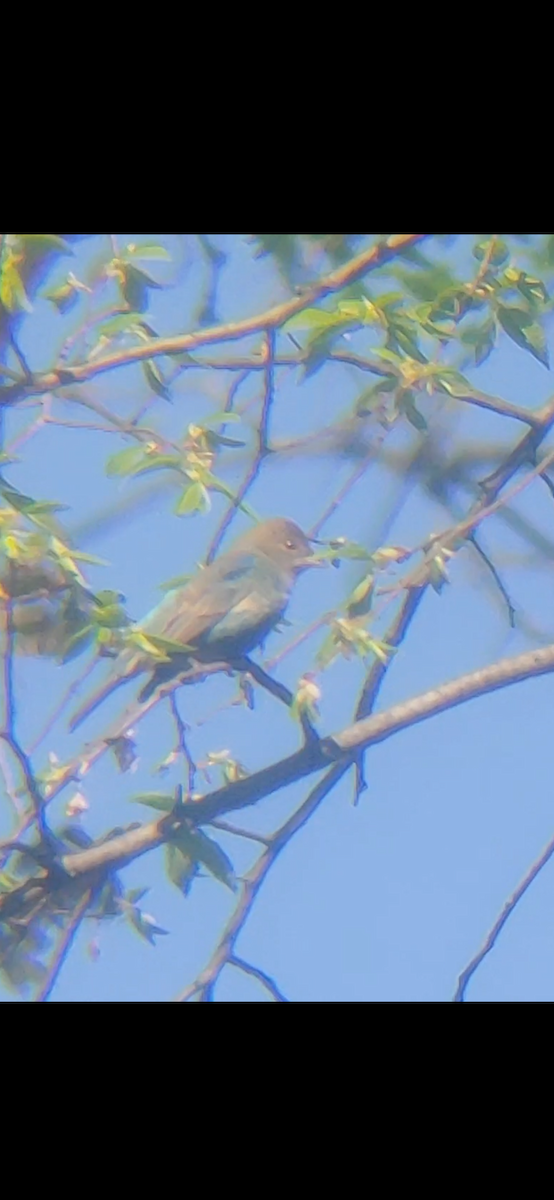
284,542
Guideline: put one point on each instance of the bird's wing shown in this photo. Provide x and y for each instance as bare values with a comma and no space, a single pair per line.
221,595
234,591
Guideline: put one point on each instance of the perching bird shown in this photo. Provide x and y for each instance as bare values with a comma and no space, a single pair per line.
223,613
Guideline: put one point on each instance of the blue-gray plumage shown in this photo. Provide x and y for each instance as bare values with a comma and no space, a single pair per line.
223,613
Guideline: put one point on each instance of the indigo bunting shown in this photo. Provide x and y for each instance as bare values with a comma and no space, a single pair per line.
223,613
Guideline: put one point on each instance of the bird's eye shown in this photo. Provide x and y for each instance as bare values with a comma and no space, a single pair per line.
289,545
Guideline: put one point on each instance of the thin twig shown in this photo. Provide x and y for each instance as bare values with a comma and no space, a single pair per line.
181,745
357,474
238,832
203,985
64,947
266,980
262,449
510,905
498,581
60,708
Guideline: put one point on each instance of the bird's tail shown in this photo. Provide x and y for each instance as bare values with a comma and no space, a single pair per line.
111,684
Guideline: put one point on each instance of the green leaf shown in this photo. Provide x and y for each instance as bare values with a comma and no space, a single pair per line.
147,250
401,336
135,894
220,418
124,323
155,379
372,397
45,242
202,849
156,462
158,800
135,287
217,439
428,284
327,652
532,289
210,854
181,868
318,350
358,311
360,600
12,289
46,506
125,461
407,406
536,344
499,255
481,338
521,328
136,460
342,548
80,556
64,296
455,383
78,643
168,647
110,614
390,356
316,320
148,929
148,644
451,305
21,502
194,499
107,598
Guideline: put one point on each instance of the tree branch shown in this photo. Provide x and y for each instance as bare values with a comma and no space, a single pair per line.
340,748
510,905
273,318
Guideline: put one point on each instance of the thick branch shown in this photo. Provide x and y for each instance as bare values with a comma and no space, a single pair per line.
342,748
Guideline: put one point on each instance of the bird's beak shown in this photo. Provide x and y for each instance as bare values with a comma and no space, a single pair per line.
313,561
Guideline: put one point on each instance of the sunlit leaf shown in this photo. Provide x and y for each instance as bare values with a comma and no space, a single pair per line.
360,600
521,328
147,250
160,801
316,320
123,323
125,461
12,289
194,499
499,255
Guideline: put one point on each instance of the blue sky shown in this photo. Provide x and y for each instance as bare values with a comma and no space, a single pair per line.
386,900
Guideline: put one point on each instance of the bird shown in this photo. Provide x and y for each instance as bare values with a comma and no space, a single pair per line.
222,613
